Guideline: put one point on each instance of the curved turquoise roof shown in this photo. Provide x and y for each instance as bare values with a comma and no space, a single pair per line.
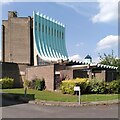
49,38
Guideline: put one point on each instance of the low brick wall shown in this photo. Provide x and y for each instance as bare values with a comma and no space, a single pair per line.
46,72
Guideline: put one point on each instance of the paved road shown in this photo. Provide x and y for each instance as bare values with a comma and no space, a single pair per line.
29,110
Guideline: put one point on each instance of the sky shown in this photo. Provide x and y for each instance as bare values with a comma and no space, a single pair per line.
91,27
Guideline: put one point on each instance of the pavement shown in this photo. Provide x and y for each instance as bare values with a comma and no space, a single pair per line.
74,104
18,108
54,103
13,109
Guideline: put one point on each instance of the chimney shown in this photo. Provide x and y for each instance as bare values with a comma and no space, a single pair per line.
12,14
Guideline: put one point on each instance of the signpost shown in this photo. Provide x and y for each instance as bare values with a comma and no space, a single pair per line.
77,88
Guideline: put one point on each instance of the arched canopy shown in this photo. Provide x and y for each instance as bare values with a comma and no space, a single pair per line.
49,38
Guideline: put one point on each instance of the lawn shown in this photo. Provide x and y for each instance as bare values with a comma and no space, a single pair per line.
58,96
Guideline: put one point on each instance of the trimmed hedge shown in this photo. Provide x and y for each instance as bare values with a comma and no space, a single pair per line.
114,86
6,83
99,87
92,86
67,86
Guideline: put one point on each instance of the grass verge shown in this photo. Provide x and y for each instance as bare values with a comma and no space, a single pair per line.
58,96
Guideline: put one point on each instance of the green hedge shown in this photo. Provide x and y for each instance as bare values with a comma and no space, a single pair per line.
92,86
114,86
105,87
6,83
99,87
67,86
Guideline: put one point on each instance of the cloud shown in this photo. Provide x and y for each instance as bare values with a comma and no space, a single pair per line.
75,57
108,42
79,44
6,1
96,60
77,7
108,11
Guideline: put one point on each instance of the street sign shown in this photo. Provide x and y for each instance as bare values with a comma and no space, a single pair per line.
77,88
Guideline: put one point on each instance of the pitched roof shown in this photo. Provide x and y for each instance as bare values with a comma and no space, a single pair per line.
88,57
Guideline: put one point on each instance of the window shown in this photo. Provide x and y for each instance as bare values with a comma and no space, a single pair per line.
42,28
39,26
46,29
55,32
62,35
49,30
35,25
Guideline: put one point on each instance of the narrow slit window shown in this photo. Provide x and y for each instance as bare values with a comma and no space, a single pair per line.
46,29
55,32
39,26
35,25
49,30
42,28
62,35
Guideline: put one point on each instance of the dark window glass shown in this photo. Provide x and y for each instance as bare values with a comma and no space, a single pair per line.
52,31
39,26
46,29
42,28
55,32
49,30
35,25
62,35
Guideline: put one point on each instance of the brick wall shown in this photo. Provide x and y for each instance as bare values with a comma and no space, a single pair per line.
17,40
59,67
46,72
66,74
19,29
100,75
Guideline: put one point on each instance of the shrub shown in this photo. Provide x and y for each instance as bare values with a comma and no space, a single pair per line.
6,83
39,84
26,83
92,86
67,86
114,86
32,84
99,87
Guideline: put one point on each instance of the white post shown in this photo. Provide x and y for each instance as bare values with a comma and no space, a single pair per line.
77,88
79,97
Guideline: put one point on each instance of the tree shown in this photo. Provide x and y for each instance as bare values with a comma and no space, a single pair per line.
111,60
